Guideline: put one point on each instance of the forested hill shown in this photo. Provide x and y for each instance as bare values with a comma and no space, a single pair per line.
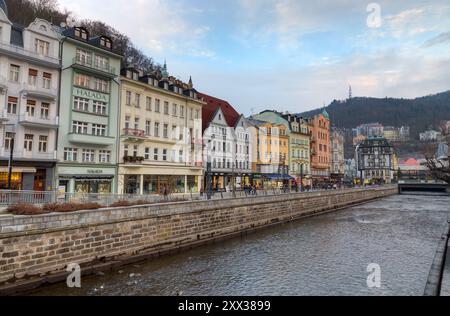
419,113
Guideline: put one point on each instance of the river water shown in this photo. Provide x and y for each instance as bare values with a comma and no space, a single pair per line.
324,255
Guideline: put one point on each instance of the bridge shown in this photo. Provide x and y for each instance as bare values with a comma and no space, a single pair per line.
424,188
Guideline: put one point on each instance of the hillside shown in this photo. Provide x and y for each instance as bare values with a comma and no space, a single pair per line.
419,113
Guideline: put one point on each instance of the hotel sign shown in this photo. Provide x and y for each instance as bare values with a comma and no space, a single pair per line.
89,94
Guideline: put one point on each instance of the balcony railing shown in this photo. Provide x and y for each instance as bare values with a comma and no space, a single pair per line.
33,54
134,133
27,119
133,160
89,63
31,155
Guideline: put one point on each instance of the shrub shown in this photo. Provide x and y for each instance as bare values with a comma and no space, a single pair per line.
121,203
70,207
25,209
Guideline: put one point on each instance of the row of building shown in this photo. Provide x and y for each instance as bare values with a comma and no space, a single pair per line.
72,119
371,130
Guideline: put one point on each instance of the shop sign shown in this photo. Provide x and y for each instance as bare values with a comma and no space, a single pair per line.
90,94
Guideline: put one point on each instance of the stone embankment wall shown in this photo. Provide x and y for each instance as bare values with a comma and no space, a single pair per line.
38,249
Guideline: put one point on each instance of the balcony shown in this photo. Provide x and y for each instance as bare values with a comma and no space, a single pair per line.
86,139
38,92
24,155
133,160
38,122
134,135
4,116
88,64
33,56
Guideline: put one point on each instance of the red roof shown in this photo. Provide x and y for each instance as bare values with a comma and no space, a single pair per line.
211,107
411,162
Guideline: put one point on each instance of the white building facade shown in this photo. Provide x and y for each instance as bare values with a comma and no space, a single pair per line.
29,87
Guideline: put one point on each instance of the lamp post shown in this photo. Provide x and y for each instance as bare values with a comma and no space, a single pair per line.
10,163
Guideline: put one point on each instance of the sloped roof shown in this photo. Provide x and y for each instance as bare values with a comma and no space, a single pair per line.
212,106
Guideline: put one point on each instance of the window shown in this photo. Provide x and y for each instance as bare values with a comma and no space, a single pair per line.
104,156
148,104
136,123
31,107
180,157
147,153
101,62
174,109
135,150
9,138
88,155
99,107
45,108
28,143
70,154
125,150
174,132
128,98
98,130
79,127
197,114
156,134
43,141
101,85
12,105
42,47
137,100
157,106
32,77
105,42
81,33
14,72
82,81
166,131
127,122
166,108
148,128
164,155
83,57
80,104
155,154
182,111
191,111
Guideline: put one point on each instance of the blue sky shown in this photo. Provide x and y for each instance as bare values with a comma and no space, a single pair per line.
289,55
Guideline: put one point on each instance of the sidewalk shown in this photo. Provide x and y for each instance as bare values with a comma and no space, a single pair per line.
445,287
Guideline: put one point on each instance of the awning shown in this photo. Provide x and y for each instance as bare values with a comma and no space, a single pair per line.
278,177
18,170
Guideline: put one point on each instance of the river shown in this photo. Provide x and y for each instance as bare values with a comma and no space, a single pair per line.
323,255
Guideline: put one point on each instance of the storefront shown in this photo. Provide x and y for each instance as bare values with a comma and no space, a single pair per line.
86,180
27,178
154,180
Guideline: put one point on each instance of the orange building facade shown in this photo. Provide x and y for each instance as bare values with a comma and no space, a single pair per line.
319,128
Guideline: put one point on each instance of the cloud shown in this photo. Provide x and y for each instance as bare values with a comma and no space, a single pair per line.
440,39
156,26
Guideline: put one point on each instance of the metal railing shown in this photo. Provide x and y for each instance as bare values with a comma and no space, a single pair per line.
29,53
40,198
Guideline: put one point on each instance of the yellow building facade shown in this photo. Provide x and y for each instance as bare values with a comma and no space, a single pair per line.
160,135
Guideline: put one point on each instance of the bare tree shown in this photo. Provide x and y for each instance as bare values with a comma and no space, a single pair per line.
439,166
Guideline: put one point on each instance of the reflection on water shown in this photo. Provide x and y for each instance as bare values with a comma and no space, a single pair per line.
323,255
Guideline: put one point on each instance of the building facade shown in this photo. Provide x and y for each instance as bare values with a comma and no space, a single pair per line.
160,135
271,167
88,137
337,155
243,136
376,161
319,128
29,85
219,122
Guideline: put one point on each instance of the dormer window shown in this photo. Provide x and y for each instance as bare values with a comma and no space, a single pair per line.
129,74
135,76
105,42
166,86
81,33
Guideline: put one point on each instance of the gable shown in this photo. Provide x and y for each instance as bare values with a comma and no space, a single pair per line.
44,28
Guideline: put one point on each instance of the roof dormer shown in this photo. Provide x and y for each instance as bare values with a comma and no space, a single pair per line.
105,42
81,33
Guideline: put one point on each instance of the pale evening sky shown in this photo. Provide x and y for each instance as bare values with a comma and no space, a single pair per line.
290,55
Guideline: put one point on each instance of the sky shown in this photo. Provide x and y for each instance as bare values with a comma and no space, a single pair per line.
289,55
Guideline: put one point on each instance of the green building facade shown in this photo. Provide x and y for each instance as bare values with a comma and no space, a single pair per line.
89,113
